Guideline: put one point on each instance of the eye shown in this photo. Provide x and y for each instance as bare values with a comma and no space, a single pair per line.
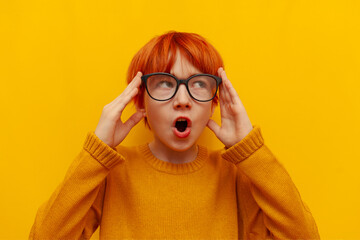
165,84
199,84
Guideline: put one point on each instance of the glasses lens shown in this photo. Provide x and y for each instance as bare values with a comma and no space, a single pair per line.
161,87
202,87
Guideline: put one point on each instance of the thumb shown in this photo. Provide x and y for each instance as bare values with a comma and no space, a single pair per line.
213,127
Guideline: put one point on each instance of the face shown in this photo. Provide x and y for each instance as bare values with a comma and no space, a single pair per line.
178,123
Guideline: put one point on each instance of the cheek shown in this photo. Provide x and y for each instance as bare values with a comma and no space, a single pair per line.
155,113
210,109
205,114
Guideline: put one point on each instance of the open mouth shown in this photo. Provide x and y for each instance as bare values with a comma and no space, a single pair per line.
182,127
181,124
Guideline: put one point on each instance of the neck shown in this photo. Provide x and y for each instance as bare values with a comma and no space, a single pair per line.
164,153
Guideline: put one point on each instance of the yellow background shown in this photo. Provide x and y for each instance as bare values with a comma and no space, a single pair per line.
295,65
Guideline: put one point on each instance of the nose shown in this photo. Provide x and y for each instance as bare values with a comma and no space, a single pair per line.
182,99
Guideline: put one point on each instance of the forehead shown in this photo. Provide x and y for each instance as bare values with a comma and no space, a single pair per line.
182,67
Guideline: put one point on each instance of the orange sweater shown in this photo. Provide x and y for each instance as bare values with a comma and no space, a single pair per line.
239,193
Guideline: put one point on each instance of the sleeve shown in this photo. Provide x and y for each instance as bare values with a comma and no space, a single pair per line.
269,202
75,207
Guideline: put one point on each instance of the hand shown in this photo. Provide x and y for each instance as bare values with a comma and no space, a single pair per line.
110,129
235,123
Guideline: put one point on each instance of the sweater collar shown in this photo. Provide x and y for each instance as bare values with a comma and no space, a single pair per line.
174,168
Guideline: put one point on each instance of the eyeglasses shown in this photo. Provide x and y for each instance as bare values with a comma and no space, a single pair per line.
163,86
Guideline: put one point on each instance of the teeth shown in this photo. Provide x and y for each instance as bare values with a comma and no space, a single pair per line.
181,120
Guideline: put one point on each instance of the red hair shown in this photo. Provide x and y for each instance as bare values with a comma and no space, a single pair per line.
159,54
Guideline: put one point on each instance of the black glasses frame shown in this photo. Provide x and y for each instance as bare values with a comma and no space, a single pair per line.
144,79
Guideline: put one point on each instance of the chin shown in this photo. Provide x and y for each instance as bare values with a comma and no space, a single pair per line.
174,143
180,145
182,148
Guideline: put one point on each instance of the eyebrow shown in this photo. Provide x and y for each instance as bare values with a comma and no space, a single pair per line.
192,74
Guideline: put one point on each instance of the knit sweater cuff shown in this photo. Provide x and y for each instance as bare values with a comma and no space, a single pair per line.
247,146
102,152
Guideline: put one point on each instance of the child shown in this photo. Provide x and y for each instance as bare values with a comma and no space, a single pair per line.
173,188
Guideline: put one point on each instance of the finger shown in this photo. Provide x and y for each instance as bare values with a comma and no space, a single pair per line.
121,104
232,93
213,127
223,101
133,120
221,94
235,97
221,91
230,90
130,90
136,80
225,85
225,93
116,109
135,83
224,98
220,69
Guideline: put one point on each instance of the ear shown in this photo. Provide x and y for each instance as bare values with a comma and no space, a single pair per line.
139,109
139,106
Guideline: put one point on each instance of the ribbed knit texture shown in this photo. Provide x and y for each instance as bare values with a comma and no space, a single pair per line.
238,193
